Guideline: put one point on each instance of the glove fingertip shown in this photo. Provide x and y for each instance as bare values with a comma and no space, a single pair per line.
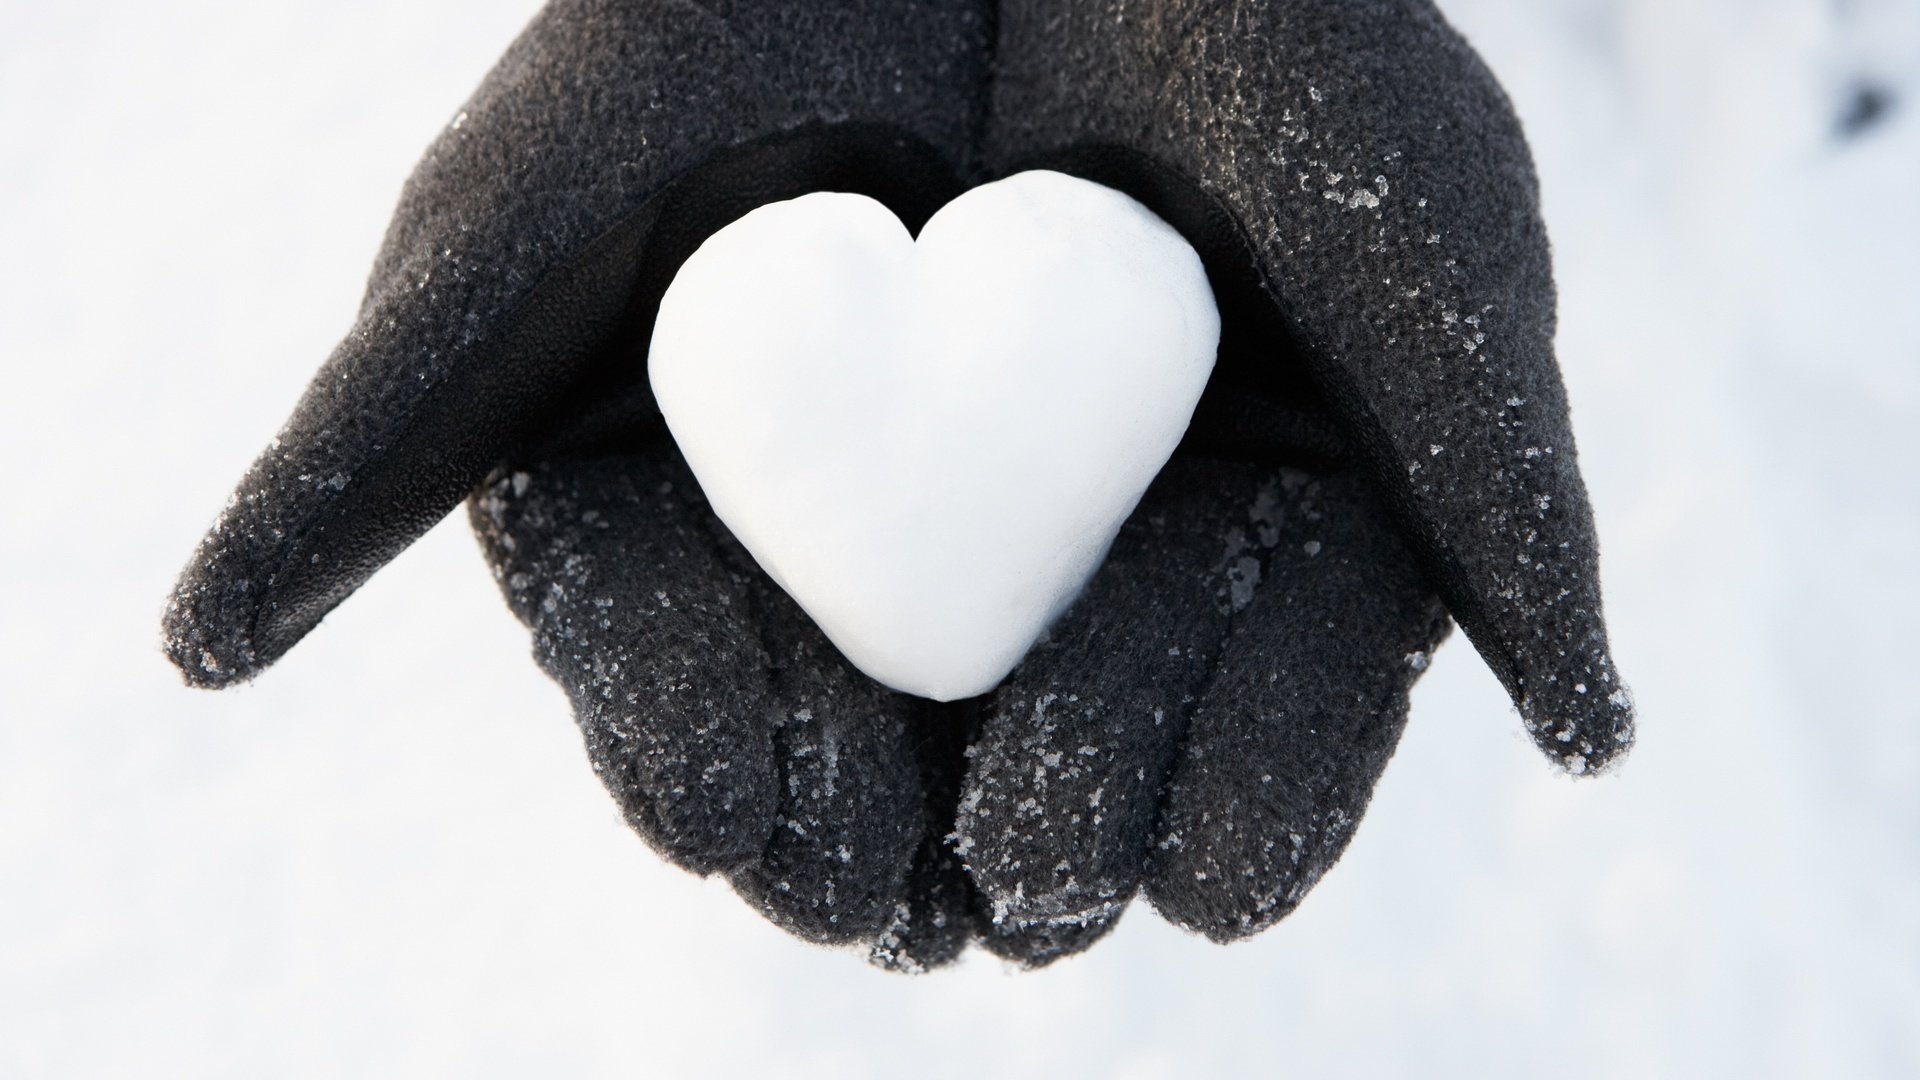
207,628
930,929
1584,722
1034,945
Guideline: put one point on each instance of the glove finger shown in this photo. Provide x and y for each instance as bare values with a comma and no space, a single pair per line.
1062,788
1035,945
1361,191
1307,704
611,564
851,813
931,928
934,925
531,245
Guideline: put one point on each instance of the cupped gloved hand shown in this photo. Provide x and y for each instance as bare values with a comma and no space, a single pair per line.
1385,434
505,328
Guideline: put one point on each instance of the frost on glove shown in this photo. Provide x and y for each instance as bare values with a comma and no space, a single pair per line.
1385,442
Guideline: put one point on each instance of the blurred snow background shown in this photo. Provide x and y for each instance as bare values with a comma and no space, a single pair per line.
389,858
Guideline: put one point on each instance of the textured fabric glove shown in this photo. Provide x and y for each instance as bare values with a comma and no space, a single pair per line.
1210,719
1385,425
506,327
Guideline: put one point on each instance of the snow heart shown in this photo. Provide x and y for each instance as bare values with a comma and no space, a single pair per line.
931,445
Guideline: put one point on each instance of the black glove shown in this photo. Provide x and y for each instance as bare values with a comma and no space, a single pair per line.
506,327
1210,719
502,345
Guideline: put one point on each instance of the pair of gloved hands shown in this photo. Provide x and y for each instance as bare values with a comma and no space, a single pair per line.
1385,441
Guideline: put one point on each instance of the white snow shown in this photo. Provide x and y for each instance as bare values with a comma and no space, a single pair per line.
930,445
389,857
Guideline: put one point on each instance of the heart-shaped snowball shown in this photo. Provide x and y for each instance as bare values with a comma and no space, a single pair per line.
931,445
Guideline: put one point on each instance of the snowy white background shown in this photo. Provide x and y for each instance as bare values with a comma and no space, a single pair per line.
389,857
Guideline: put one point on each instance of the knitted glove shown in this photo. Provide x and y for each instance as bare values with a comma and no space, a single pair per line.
506,325
1210,719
